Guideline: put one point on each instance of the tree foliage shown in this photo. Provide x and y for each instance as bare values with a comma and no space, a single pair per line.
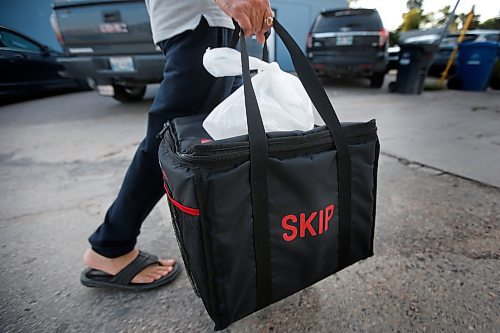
413,19
493,23
416,19
414,4
394,37
462,18
440,18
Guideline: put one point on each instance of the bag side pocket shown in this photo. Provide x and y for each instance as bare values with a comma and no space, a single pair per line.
186,222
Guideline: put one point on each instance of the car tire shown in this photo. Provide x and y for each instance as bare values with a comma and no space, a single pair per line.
454,83
82,85
129,94
377,80
495,84
393,87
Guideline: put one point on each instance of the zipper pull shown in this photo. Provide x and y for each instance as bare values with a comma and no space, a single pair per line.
164,129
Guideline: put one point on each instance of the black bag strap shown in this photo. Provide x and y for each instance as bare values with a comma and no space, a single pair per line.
258,181
236,36
322,103
259,156
215,95
265,49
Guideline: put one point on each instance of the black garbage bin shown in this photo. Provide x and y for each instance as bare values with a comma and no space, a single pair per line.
414,62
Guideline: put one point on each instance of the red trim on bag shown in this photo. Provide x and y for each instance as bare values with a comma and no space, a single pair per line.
182,208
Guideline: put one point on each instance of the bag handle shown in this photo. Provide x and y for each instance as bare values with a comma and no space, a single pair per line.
320,99
235,37
259,156
215,95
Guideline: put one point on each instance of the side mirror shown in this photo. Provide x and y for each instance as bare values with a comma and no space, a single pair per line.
46,50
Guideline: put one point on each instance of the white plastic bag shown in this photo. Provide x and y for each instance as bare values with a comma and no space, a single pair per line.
283,101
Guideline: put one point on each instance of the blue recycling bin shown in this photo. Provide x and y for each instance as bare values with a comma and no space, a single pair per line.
476,61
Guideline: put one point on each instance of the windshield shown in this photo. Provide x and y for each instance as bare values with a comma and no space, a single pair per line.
453,39
351,20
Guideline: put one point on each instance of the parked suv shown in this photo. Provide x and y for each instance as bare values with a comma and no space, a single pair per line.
349,42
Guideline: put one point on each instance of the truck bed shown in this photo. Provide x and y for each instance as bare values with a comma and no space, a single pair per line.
107,27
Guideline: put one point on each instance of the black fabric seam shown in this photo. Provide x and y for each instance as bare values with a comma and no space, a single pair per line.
375,175
207,249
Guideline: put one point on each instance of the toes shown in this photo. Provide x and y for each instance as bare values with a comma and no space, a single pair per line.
153,273
169,262
162,269
154,276
142,279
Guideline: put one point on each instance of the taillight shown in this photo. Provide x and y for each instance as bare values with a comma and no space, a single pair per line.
383,37
310,40
55,27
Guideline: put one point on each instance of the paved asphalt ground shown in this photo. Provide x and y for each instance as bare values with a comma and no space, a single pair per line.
437,243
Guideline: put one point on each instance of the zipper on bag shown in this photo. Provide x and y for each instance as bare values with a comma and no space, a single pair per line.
233,152
161,134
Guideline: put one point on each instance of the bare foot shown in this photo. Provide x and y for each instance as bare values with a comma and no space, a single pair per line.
114,265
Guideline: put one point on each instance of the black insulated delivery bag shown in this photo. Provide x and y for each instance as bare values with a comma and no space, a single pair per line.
262,216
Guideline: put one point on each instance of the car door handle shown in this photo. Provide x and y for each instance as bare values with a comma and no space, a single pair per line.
20,56
112,16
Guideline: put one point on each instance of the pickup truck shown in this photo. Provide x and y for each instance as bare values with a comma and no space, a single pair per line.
109,43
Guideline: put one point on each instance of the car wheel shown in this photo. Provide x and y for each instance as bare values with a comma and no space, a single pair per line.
377,80
454,83
495,84
393,87
129,94
83,85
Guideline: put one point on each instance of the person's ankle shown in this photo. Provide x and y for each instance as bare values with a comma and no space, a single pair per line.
110,265
91,257
86,256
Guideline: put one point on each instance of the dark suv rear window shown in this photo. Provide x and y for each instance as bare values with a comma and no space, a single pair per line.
353,19
453,39
493,38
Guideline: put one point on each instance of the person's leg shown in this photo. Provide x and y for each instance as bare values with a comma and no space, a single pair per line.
183,91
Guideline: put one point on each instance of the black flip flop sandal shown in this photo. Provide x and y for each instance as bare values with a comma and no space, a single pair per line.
95,278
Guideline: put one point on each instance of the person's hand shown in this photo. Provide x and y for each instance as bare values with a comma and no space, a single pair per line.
251,15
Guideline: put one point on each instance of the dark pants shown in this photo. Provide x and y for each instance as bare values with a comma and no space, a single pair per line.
185,88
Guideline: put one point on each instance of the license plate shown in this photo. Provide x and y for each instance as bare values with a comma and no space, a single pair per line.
113,28
122,64
344,40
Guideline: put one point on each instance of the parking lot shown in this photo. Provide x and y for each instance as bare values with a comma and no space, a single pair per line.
437,246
